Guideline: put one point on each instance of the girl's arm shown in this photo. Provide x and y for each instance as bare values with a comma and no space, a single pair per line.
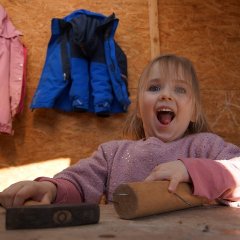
207,169
215,170
215,179
84,181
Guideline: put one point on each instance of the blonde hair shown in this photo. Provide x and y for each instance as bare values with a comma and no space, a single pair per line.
169,62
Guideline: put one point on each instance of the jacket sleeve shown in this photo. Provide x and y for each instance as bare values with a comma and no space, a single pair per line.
217,177
17,78
5,110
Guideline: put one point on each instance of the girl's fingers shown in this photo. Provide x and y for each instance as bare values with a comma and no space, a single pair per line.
31,190
156,175
45,199
8,195
22,195
32,202
18,193
173,185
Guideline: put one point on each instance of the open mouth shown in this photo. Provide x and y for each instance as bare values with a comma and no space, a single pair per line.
165,116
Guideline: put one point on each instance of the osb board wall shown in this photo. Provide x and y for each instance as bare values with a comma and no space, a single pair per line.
47,134
208,32
205,31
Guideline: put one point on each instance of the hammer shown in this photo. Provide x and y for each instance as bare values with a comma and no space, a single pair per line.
36,215
140,199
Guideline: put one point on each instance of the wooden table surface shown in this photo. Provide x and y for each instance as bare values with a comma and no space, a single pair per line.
197,223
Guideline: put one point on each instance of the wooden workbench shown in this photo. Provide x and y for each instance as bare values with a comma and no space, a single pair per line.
198,223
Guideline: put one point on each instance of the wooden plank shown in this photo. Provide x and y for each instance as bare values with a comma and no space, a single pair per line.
154,28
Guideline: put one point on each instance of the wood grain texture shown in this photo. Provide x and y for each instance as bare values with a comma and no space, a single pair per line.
154,28
48,134
208,32
135,199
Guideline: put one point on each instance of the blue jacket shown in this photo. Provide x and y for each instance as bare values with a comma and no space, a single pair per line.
85,69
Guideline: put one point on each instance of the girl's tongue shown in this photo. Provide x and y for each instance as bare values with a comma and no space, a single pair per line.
165,117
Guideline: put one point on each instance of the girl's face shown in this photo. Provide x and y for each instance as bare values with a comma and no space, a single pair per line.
166,104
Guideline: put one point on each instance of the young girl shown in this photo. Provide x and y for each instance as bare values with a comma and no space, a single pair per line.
171,142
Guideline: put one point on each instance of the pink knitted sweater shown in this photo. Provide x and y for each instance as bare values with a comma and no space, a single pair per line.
213,165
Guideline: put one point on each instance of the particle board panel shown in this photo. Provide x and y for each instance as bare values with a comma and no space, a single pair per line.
208,33
46,133
33,19
223,110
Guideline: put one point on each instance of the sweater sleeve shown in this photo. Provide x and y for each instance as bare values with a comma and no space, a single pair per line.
215,169
66,191
215,179
88,176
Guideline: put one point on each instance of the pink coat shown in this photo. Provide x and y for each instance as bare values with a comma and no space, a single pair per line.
12,72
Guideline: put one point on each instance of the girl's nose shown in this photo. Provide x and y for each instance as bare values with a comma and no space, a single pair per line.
166,95
166,98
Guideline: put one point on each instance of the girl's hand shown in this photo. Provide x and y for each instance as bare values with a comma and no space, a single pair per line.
16,195
174,171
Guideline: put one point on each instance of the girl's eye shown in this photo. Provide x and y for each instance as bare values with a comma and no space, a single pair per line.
180,90
154,88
